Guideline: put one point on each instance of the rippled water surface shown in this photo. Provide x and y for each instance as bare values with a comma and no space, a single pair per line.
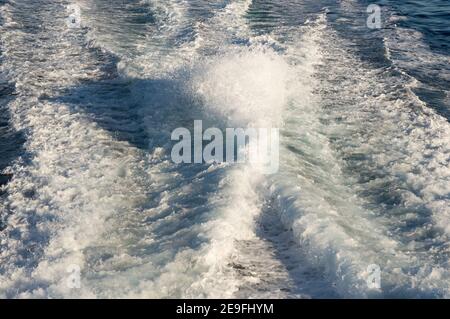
87,182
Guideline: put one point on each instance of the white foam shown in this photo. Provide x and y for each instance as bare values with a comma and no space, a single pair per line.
89,200
247,87
140,226
319,201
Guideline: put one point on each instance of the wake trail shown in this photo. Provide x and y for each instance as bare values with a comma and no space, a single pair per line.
363,167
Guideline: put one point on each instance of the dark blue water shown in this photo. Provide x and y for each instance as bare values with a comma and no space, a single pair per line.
431,18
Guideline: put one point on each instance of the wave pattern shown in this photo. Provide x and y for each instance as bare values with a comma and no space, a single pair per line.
364,175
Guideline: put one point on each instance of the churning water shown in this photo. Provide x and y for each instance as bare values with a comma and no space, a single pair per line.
87,180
